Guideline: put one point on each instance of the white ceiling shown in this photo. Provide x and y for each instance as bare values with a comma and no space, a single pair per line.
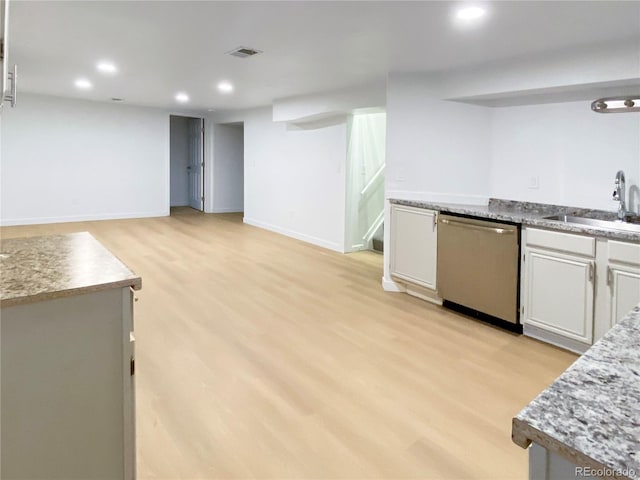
162,47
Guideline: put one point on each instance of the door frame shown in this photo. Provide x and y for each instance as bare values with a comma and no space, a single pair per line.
203,156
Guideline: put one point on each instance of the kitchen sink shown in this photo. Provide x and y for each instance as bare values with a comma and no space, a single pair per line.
596,223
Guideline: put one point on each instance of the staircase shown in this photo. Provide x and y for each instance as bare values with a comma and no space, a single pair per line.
378,239
365,186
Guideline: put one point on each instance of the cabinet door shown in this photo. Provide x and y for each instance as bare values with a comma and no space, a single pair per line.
559,294
624,290
414,245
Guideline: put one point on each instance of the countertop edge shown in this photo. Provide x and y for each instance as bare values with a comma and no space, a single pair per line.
520,218
135,283
523,434
580,229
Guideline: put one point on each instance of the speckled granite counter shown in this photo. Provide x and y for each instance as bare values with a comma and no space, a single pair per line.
41,268
591,414
529,214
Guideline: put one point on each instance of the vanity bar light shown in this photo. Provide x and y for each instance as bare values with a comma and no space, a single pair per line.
617,104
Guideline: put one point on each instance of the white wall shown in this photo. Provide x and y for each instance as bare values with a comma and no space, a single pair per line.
329,104
295,179
445,151
613,63
574,152
70,160
295,172
436,150
179,140
228,168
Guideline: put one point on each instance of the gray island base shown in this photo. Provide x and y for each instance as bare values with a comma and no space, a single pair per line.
67,356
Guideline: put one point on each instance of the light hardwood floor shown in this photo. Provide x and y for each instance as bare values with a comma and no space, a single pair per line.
259,356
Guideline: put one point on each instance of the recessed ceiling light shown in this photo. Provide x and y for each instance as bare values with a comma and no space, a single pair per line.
83,84
470,13
106,67
182,97
225,87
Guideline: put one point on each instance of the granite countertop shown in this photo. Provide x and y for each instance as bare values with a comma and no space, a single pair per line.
530,214
42,268
591,414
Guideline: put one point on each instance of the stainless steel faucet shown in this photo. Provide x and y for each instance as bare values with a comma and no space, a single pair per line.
619,195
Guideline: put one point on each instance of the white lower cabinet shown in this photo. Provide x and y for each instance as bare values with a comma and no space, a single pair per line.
576,287
625,290
623,279
414,245
559,293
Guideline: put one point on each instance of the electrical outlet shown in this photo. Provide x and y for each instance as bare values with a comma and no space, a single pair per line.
534,182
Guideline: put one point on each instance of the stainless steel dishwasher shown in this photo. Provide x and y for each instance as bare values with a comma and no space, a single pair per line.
478,265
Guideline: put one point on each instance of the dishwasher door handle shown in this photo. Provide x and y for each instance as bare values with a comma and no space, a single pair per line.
473,226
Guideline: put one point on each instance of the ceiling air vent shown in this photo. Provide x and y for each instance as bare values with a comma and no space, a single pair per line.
244,52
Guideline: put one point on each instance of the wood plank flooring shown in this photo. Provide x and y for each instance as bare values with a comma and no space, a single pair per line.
259,356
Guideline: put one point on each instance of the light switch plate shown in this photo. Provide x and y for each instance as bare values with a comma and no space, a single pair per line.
534,182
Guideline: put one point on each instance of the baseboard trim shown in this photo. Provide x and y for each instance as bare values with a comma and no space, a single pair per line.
389,285
79,218
228,210
424,294
293,234
554,339
438,197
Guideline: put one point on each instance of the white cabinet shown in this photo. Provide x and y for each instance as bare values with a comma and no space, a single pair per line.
4,45
9,72
559,293
623,279
576,287
624,282
67,388
414,245
558,286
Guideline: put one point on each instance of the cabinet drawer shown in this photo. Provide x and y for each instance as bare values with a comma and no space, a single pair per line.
564,242
624,252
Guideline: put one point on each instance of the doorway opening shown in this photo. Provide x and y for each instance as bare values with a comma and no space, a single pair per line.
186,146
366,155
228,168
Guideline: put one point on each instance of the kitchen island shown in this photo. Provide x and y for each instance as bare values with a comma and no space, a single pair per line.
590,416
66,359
